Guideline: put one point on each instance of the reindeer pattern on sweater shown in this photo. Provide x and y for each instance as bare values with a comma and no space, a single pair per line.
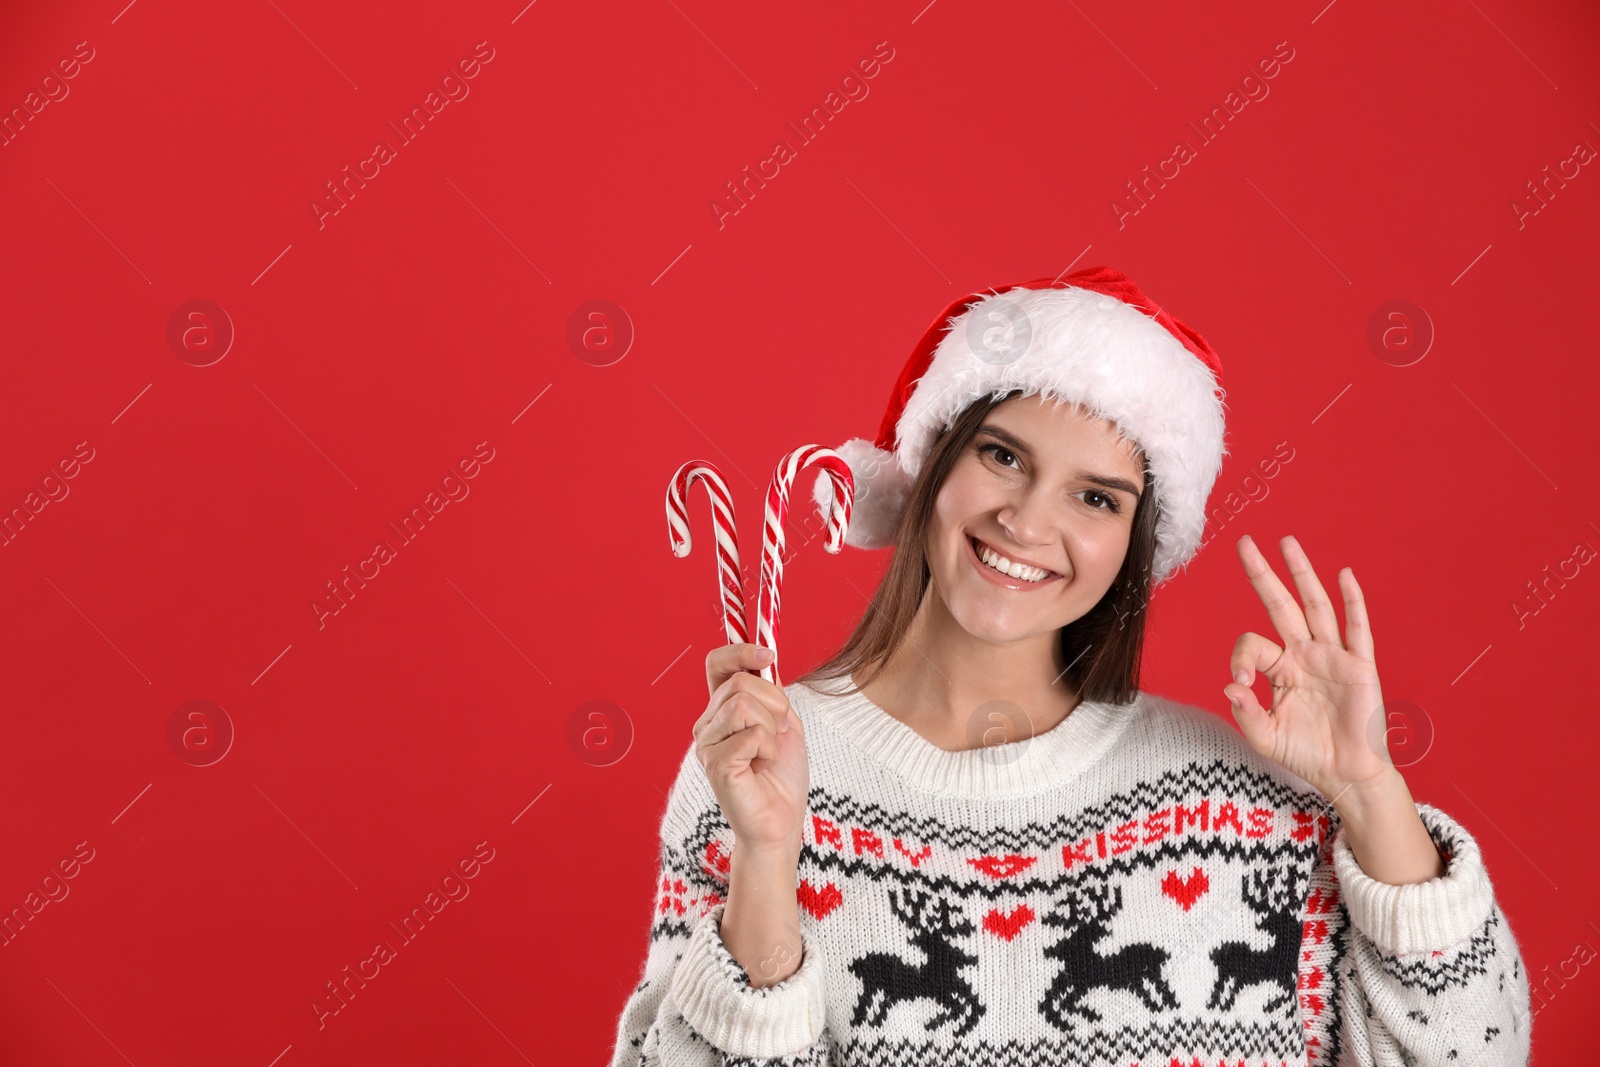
1133,888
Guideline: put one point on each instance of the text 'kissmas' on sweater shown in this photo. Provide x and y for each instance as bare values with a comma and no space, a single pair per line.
1133,888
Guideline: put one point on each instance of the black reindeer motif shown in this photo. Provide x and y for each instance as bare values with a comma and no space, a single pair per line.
1085,914
886,979
1275,896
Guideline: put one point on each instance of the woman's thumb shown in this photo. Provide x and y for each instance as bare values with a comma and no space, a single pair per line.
1255,722
728,660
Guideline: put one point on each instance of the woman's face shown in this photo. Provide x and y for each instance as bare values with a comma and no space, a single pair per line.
1045,486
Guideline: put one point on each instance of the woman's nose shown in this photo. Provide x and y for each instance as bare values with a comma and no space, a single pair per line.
1029,519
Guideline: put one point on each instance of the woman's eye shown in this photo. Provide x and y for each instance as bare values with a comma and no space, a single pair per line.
997,451
1004,456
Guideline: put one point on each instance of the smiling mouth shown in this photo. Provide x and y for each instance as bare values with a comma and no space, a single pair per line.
1000,564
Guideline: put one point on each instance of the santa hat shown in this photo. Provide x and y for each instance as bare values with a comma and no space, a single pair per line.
1091,338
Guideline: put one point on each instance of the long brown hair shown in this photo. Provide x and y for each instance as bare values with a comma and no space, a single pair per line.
1102,648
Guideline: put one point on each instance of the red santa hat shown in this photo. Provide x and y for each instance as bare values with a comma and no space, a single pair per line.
1090,338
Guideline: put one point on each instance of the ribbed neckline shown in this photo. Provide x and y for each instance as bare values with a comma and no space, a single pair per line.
1022,768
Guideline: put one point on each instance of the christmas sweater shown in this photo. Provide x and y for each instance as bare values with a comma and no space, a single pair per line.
1133,888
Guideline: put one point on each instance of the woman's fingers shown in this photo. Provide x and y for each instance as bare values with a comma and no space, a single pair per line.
1252,654
754,742
1319,615
718,723
1281,607
740,698
739,711
1357,630
765,692
744,682
728,660
1255,722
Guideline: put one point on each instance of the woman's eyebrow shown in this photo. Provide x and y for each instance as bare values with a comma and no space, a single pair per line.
1111,483
1020,447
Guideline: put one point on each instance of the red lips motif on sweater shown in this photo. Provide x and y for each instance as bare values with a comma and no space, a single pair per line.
998,867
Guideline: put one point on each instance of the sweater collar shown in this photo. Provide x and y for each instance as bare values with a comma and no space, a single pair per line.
1021,768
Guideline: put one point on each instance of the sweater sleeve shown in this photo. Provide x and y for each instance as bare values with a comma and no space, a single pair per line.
695,1006
1433,976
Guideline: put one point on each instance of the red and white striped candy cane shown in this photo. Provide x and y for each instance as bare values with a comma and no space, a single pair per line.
837,470
730,579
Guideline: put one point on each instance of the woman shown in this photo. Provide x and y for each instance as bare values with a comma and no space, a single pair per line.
970,838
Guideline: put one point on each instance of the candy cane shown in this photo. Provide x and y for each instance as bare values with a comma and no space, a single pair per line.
837,470
730,579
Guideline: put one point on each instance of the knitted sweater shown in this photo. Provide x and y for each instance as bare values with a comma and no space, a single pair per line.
1133,888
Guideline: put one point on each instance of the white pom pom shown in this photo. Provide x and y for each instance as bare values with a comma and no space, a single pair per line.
881,491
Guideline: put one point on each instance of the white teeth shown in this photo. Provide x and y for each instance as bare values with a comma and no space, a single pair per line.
993,559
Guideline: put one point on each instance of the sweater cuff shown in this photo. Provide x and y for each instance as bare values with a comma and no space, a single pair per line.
714,994
1421,916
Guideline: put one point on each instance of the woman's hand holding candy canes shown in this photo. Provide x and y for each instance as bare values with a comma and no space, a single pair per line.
753,749
757,767
751,744
749,740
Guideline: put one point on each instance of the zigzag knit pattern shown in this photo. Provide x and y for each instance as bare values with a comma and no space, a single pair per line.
1134,888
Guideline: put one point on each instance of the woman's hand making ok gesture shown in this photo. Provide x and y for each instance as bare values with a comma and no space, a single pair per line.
1325,720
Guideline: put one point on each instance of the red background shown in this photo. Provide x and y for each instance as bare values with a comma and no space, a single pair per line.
377,349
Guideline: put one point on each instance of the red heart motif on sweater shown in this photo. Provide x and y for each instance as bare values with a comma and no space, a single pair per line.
1008,926
1186,890
998,867
819,902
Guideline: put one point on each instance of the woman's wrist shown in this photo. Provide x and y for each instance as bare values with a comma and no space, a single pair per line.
761,921
763,855
1385,833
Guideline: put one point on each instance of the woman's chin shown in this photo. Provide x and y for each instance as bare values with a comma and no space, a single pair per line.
1001,628
1010,623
